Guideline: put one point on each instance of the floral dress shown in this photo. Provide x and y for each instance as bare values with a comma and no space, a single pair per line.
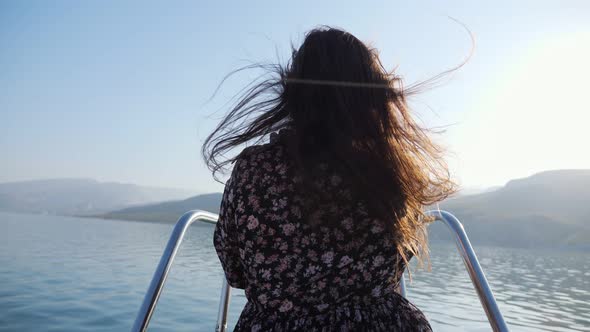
302,278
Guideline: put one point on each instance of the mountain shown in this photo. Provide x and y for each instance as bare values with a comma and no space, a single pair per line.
167,211
78,196
546,210
549,209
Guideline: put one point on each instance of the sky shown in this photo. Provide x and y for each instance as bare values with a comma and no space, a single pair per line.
121,90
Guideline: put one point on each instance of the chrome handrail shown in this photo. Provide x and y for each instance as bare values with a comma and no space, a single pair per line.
478,278
155,289
475,271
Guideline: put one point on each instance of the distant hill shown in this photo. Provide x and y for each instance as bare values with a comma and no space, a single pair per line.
550,209
78,196
167,211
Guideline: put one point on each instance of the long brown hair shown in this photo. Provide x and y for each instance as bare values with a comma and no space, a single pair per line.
343,106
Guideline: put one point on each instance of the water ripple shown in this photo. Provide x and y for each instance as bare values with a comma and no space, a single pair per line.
71,274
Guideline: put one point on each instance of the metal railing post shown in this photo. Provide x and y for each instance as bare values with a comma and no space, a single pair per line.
402,287
223,307
155,289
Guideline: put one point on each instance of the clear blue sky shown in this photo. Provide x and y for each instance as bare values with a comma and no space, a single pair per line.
117,90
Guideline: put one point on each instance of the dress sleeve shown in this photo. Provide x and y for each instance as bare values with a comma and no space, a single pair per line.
225,235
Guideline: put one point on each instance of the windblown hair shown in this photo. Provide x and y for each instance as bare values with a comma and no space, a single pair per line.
345,108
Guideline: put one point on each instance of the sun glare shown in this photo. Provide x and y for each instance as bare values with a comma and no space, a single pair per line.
534,117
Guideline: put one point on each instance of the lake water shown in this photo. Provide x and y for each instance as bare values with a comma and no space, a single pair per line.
73,274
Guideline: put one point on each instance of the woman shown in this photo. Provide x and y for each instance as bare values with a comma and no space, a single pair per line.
318,224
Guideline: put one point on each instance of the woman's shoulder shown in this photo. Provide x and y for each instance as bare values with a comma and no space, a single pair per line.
261,165
272,151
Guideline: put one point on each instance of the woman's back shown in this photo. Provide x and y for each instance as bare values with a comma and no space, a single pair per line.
319,224
333,268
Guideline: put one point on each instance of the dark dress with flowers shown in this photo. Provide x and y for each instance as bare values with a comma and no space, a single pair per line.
302,278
